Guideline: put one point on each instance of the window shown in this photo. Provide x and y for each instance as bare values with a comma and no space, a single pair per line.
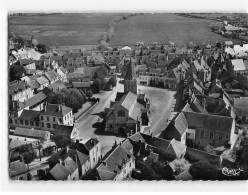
54,126
37,124
220,137
121,113
211,135
48,125
47,118
10,120
202,134
26,122
54,119
130,164
31,123
227,136
41,117
21,121
42,124
60,120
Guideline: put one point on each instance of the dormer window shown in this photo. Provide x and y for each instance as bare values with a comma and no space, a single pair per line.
121,113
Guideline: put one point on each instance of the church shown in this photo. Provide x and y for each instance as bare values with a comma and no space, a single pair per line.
131,109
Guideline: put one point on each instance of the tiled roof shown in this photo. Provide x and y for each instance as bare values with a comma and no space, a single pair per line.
128,100
63,154
50,75
180,123
64,130
42,80
197,107
17,86
59,172
116,158
57,86
17,168
33,133
33,84
208,121
34,77
178,147
71,166
35,99
14,143
30,115
91,143
56,110
127,145
187,108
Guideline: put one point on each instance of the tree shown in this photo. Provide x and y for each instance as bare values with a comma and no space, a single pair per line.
83,95
181,165
89,94
42,48
16,72
149,174
59,98
113,81
203,170
29,156
61,141
39,146
78,96
71,102
102,83
96,86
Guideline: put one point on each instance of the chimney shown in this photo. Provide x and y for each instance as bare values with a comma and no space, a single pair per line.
67,149
204,103
45,107
77,143
59,107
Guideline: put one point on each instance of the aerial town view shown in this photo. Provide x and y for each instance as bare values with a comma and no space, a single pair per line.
128,96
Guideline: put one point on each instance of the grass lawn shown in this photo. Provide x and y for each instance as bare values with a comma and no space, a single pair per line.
162,28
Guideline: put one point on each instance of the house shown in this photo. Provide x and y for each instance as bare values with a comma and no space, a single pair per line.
117,164
18,170
34,85
43,82
52,76
82,85
173,78
37,102
29,119
239,66
54,114
126,114
62,73
70,132
177,128
65,171
19,90
67,155
91,148
32,133
207,129
145,145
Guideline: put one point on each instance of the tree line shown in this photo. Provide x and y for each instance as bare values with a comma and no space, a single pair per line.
72,98
105,38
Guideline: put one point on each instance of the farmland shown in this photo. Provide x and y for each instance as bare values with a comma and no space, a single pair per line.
86,29
62,29
162,28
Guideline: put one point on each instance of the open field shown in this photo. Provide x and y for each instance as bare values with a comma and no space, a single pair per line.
162,28
62,29
86,29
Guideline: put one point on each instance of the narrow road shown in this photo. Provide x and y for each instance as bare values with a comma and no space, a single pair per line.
84,123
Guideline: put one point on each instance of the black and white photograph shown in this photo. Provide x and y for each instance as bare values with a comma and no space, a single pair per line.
127,95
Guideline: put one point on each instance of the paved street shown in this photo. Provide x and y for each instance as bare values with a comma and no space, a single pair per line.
84,123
